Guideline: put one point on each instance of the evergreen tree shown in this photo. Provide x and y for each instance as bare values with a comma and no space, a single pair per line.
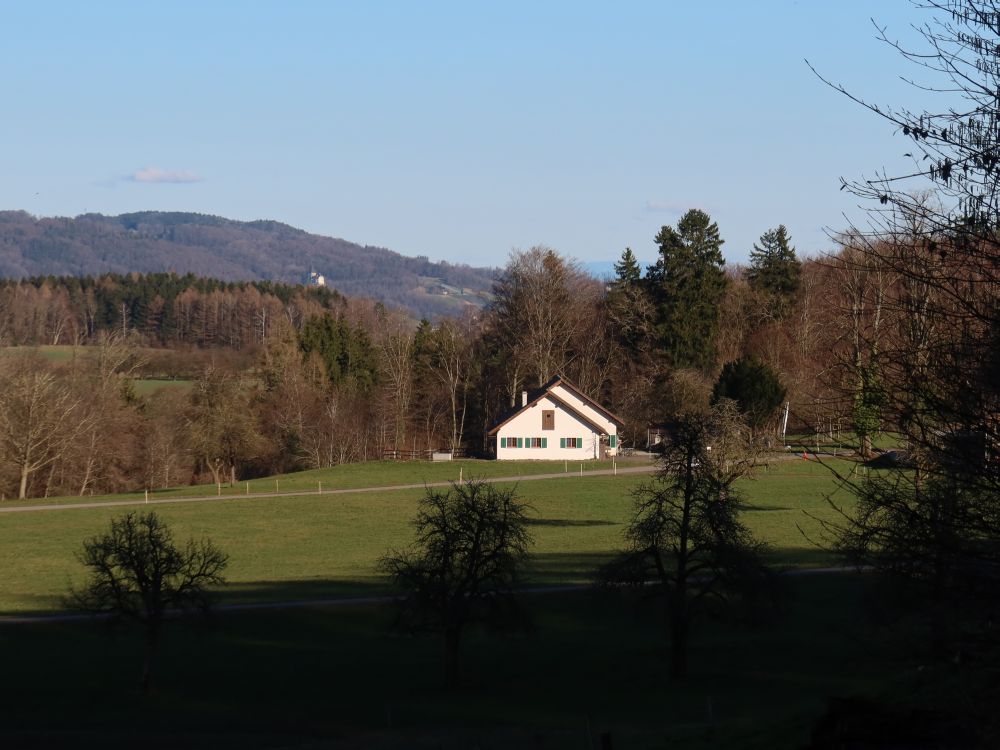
755,387
627,270
774,269
687,284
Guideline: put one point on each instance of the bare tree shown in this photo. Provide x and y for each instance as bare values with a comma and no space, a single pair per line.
452,365
543,302
137,573
222,427
685,535
394,341
107,385
464,566
39,417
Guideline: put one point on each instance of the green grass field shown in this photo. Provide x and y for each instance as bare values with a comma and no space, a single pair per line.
336,677
355,476
60,353
327,545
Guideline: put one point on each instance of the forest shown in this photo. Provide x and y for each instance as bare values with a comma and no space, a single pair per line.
280,377
152,242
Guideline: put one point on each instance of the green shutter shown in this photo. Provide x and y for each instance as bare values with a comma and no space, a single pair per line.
545,442
503,442
520,442
614,441
562,442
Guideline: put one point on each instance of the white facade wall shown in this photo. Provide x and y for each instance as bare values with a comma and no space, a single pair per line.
566,425
584,407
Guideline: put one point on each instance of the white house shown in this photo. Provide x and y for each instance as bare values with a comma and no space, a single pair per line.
557,422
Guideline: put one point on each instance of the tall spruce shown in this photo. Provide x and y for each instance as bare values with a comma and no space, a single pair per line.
687,284
774,269
627,270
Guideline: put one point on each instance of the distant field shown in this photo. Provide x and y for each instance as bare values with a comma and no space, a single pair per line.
326,546
60,353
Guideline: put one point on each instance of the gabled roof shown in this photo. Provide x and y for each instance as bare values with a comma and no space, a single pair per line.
560,380
546,390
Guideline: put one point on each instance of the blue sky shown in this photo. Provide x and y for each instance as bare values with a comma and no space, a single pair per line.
454,130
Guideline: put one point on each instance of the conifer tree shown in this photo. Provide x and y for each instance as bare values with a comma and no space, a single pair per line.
627,270
687,284
774,268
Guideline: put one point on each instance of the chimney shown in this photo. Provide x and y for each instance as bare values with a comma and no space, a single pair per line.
524,398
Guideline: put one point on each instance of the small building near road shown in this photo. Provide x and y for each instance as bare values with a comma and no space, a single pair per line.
557,421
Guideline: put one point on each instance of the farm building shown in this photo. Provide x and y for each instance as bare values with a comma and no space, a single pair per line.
557,421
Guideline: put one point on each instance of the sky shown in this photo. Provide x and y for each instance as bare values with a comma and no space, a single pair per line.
459,131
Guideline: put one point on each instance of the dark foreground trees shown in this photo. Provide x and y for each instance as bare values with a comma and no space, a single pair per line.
932,238
464,565
138,574
685,539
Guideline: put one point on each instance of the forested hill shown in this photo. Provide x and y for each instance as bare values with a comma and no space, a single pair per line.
211,246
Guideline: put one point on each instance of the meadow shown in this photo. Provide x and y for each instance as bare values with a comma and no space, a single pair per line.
318,545
336,676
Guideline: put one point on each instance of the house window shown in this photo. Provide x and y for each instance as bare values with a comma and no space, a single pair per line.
548,419
570,442
512,442
536,442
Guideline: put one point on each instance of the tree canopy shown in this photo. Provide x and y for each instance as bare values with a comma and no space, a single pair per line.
464,566
686,284
138,573
774,269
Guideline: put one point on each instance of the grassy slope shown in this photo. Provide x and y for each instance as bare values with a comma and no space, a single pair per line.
336,678
288,548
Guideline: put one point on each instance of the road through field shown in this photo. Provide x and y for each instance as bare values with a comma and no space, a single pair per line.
646,469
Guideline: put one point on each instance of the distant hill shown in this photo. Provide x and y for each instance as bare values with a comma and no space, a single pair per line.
153,241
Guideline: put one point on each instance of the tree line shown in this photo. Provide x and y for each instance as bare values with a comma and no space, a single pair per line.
290,377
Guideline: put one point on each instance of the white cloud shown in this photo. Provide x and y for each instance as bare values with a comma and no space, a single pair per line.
155,174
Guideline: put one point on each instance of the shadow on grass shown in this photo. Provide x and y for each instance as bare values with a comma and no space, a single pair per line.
793,558
570,522
338,678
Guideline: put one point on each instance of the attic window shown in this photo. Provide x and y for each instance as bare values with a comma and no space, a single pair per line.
548,419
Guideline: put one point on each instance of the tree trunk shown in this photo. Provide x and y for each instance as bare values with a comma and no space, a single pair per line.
149,656
452,641
678,645
22,492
